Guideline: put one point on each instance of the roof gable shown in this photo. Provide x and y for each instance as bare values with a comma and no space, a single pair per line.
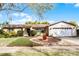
63,22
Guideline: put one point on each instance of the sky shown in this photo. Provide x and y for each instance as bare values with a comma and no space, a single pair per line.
60,12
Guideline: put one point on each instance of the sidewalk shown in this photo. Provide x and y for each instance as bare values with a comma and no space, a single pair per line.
38,49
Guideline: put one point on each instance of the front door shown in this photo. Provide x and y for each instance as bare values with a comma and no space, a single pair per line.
27,32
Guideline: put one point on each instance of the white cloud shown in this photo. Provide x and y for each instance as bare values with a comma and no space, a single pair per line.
25,17
23,14
15,14
21,21
19,14
76,5
73,4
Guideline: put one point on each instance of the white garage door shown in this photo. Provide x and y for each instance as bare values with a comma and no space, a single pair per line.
61,32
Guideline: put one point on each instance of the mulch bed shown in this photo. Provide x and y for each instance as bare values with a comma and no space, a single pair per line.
48,41
53,41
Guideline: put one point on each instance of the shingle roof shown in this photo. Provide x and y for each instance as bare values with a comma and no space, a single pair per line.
14,26
26,26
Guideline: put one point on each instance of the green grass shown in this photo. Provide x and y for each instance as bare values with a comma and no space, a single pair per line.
23,42
17,41
19,53
28,54
66,53
6,41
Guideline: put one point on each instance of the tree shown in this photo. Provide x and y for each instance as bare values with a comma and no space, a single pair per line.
45,22
29,22
74,23
11,7
40,8
37,22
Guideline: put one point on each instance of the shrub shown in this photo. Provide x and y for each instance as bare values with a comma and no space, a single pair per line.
9,34
6,34
33,32
1,36
1,31
12,34
20,33
43,31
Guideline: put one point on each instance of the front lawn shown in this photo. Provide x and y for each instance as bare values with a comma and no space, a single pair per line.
6,41
18,41
66,53
23,42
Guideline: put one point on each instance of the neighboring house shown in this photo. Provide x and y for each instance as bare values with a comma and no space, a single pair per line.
1,25
61,29
78,30
13,27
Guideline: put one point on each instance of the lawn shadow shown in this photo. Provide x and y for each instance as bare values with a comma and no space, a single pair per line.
45,53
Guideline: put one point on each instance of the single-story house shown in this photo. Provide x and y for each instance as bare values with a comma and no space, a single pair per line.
25,27
61,29
58,29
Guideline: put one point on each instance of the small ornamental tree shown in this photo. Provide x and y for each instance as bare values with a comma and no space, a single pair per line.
44,35
33,32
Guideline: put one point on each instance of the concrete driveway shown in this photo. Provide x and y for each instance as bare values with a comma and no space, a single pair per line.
73,39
